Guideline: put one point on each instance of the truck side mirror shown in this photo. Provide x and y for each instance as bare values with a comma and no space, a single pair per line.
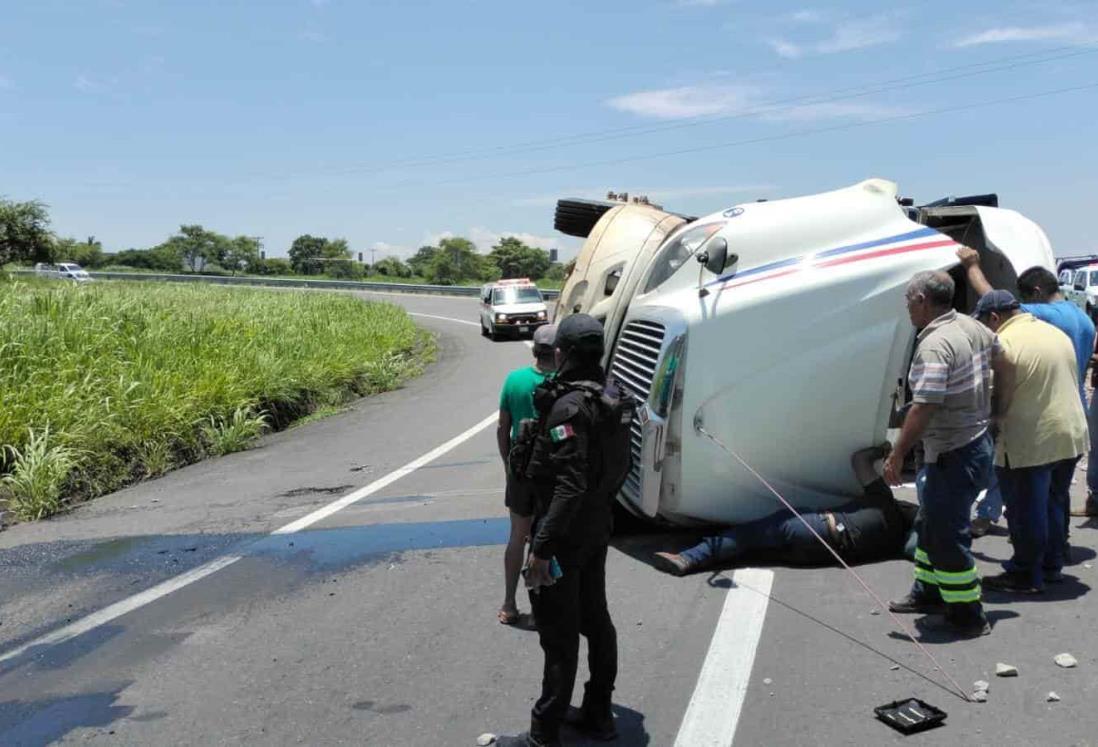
715,255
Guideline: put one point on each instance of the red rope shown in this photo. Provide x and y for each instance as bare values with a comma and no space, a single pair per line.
830,549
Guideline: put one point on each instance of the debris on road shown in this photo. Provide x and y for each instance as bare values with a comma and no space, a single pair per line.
980,696
1052,698
874,612
1005,670
981,685
486,739
767,681
894,667
1067,661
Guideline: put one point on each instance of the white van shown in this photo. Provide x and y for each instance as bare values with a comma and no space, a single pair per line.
63,271
779,327
1084,290
512,308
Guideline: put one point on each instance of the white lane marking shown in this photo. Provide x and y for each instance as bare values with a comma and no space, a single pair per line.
714,709
384,482
141,599
444,318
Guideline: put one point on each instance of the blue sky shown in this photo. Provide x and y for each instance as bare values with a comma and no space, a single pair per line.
393,122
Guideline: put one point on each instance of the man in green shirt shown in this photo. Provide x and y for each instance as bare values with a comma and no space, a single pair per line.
516,403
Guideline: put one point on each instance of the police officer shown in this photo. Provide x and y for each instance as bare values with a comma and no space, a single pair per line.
572,524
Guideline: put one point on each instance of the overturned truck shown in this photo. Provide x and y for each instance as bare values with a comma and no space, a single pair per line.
780,326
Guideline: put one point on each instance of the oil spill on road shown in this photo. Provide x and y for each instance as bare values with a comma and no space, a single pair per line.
347,546
309,490
383,710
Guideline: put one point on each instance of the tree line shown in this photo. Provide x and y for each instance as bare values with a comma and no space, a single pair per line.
25,237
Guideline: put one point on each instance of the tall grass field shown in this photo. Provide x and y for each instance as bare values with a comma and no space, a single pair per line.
105,384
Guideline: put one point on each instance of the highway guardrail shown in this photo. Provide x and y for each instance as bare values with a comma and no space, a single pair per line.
276,282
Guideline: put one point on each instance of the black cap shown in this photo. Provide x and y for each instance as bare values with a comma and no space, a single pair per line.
580,332
995,300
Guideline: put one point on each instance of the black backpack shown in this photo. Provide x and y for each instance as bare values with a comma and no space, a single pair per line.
614,408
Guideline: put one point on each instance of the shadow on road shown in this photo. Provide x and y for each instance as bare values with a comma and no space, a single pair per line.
48,720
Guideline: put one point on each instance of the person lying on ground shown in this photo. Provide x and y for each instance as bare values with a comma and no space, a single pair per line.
871,527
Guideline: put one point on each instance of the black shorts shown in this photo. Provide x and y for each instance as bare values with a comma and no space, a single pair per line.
519,497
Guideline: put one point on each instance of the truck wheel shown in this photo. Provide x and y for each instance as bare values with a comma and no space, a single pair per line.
483,329
492,334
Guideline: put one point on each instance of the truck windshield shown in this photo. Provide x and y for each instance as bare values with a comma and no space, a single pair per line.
527,294
676,252
1094,277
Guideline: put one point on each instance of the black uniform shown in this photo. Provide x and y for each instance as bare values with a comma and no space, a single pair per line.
572,523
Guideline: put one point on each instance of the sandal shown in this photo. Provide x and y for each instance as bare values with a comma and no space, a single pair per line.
508,618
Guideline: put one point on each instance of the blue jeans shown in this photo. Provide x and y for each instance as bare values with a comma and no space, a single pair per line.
990,507
775,532
1038,501
944,567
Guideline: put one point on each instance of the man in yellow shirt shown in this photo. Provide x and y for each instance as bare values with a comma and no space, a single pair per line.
1042,435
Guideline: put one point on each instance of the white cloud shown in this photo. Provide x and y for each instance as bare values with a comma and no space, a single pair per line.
686,101
486,238
786,49
385,249
843,36
859,34
314,36
806,16
834,110
1063,31
86,83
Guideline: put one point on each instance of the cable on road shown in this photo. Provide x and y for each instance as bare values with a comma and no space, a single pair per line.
873,595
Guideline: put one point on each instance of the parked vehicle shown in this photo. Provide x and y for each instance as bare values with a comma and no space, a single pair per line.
780,327
1083,290
511,308
63,271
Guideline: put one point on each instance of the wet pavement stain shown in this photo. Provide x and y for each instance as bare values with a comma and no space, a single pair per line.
298,492
347,546
100,552
384,710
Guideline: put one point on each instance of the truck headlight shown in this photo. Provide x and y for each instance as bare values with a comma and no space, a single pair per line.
541,315
663,389
501,317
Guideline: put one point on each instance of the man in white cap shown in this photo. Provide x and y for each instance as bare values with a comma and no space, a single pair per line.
516,403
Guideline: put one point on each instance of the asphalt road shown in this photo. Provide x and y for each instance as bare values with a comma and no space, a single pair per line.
224,604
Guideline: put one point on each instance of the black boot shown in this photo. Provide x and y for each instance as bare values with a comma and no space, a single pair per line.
590,724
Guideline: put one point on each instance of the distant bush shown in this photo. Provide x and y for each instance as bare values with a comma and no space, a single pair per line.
275,266
392,267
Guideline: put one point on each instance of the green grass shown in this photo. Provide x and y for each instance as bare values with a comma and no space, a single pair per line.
109,383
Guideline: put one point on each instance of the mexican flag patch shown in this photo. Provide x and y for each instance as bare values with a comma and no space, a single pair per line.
561,433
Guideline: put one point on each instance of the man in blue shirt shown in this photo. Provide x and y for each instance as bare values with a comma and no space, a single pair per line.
1039,291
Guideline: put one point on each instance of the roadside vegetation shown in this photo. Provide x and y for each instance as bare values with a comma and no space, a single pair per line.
25,238
105,384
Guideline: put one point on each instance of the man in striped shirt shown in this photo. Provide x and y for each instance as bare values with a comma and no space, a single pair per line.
950,381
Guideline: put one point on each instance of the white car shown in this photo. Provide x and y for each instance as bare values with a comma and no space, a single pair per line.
63,271
512,308
778,327
1083,290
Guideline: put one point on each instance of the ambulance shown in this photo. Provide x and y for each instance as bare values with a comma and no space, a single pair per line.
511,308
778,327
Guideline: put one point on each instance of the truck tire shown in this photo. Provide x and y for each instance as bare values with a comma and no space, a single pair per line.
578,217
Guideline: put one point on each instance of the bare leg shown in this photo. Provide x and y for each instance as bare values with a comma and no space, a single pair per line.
512,563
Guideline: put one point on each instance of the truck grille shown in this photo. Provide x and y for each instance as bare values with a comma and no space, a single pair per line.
635,361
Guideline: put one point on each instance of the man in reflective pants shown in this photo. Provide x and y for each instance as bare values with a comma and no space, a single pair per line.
950,381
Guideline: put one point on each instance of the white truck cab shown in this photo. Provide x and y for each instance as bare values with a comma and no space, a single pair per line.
511,308
778,327
63,271
1083,291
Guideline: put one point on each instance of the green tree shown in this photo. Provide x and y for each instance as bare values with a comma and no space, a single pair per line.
517,260
163,258
556,272
25,232
197,247
84,253
242,253
422,259
392,267
275,266
457,260
310,255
